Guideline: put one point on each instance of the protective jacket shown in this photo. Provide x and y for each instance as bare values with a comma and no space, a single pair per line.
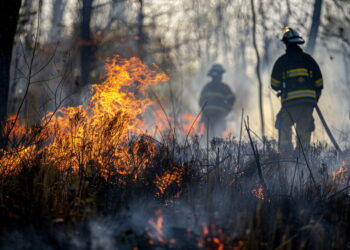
298,77
218,99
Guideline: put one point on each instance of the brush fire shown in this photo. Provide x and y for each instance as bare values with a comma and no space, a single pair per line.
174,124
101,164
105,132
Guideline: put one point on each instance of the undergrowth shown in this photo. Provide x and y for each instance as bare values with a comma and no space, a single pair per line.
186,196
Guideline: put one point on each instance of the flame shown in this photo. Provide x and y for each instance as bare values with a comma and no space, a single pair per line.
167,179
239,246
186,124
156,232
191,124
211,236
106,134
342,174
19,154
157,227
258,193
102,133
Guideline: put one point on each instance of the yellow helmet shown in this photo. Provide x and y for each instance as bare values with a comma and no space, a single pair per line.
291,36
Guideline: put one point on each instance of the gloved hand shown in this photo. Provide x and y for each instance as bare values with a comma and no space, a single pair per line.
278,122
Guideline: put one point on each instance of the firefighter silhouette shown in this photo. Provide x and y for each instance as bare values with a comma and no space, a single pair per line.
298,79
217,99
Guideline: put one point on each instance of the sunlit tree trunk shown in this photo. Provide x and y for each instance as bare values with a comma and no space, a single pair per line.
58,7
316,20
288,14
257,70
9,12
85,40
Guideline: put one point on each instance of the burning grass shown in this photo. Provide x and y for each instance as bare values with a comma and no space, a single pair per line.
90,177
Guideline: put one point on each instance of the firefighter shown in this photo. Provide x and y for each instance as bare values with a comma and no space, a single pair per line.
217,100
298,80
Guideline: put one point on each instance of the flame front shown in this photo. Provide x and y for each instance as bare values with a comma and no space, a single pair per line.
98,134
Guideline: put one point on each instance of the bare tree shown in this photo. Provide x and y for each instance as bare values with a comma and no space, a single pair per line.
9,17
141,36
58,7
316,20
85,40
258,70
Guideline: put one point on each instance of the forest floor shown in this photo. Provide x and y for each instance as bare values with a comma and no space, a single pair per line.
188,197
90,177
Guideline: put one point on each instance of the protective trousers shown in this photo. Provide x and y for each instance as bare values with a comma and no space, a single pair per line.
301,116
215,125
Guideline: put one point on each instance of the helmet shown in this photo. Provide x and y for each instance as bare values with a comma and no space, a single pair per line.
291,36
216,69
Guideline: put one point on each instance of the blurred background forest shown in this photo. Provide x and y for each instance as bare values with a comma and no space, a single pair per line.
60,48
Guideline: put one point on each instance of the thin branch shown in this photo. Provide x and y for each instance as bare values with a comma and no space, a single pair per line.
29,74
257,158
194,122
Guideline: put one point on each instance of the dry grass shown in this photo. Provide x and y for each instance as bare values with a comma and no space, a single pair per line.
213,198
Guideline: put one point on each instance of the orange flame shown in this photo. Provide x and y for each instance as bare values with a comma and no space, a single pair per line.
168,178
157,227
99,133
213,237
187,124
258,193
191,124
341,175
239,246
156,232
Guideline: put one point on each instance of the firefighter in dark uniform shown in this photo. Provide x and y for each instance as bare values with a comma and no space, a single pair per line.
298,80
217,100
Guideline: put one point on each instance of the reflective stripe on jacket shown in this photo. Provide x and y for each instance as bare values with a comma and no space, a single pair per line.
307,93
301,76
218,99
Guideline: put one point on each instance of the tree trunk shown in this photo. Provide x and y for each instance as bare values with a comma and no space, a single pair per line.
85,40
316,20
257,70
140,31
57,16
9,12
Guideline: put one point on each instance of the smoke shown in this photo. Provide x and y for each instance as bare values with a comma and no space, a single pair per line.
334,102
219,205
231,45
